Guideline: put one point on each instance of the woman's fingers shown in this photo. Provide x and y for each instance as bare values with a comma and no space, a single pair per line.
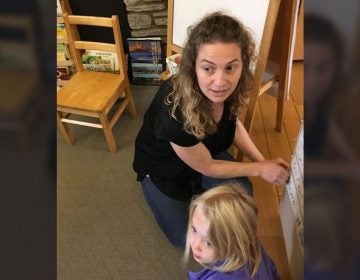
274,172
282,162
283,177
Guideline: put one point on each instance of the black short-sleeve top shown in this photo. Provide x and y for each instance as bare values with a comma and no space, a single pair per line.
155,157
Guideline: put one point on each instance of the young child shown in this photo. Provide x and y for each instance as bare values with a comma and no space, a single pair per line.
222,236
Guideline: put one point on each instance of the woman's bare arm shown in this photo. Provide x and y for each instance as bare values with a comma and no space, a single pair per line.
199,158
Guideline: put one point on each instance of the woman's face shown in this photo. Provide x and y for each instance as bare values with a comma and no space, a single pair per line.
218,68
320,70
202,249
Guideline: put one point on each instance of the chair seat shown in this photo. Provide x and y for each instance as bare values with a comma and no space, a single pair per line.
90,91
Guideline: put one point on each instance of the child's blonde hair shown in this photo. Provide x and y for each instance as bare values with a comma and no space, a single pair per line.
232,216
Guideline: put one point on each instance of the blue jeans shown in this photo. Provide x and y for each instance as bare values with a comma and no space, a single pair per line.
172,215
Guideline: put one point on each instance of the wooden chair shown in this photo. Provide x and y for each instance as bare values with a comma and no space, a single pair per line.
277,66
94,94
275,71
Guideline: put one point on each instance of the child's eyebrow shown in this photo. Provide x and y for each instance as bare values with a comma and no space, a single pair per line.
202,236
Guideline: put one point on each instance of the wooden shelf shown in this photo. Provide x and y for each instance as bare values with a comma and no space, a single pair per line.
59,19
61,82
62,63
62,41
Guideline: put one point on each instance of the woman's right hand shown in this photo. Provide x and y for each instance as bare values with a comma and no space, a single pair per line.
275,171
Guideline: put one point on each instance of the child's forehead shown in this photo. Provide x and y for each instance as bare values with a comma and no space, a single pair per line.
199,220
199,209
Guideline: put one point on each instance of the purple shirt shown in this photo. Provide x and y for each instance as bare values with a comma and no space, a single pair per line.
266,271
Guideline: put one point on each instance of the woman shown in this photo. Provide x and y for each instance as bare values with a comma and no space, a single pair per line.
192,121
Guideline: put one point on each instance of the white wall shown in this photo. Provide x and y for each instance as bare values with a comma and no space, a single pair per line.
251,12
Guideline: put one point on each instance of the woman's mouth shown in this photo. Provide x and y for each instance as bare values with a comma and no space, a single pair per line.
219,93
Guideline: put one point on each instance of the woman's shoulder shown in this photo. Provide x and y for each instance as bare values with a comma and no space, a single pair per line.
163,105
158,103
165,88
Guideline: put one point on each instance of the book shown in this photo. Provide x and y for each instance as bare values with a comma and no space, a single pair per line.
62,73
60,56
100,61
62,52
61,31
106,55
146,60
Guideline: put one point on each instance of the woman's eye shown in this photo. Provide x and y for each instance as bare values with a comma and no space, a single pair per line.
230,67
207,69
193,229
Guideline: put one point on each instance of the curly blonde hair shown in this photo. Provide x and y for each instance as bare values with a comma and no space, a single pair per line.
187,98
232,216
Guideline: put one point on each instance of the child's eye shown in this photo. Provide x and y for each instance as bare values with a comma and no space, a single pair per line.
193,229
208,243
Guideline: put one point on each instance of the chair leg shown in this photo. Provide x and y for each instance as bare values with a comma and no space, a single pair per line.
282,94
64,129
109,136
279,113
132,107
250,111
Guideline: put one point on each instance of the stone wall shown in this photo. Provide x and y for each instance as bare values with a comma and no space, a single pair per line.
147,18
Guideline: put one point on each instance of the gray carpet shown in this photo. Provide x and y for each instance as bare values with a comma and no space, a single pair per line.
105,228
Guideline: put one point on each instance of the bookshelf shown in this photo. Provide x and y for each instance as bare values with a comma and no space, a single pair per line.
146,61
64,61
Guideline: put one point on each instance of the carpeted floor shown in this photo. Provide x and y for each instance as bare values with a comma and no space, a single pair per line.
105,229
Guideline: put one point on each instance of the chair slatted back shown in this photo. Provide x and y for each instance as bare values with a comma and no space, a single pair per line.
77,45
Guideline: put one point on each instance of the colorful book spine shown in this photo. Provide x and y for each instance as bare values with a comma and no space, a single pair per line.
146,60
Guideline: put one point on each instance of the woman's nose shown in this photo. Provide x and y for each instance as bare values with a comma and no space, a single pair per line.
219,78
